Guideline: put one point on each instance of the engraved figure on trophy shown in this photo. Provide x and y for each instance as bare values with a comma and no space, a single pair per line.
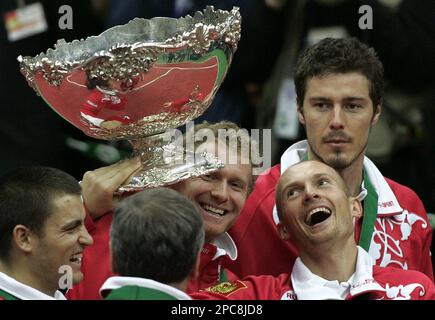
106,95
182,104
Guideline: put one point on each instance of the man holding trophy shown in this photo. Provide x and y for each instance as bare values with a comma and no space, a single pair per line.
157,61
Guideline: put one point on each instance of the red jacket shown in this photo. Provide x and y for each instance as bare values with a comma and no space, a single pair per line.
389,284
211,272
96,264
400,240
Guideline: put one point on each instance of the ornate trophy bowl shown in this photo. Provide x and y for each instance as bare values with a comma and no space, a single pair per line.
138,80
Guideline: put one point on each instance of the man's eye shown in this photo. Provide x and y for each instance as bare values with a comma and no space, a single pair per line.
72,229
323,182
207,177
292,193
236,185
352,107
321,106
240,187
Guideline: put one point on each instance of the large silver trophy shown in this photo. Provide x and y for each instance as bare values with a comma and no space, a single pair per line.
138,80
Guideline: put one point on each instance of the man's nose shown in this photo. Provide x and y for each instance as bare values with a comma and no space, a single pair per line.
85,238
337,118
220,191
310,194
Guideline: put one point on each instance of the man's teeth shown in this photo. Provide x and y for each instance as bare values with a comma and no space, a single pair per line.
323,209
213,210
77,259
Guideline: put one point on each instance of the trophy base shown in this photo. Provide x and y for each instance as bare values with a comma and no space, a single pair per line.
165,164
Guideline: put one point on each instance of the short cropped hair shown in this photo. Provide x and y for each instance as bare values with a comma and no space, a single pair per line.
26,197
156,234
346,55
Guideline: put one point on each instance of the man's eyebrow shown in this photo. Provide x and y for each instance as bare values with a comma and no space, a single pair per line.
354,99
288,186
241,180
315,98
322,175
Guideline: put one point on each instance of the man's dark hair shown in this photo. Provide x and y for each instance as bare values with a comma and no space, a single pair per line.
93,82
26,197
156,234
331,56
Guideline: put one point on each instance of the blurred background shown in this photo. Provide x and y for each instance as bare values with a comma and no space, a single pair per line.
258,91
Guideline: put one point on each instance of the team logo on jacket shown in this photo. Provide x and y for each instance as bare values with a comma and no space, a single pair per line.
227,288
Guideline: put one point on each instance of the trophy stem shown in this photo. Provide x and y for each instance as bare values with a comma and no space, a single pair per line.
150,149
165,162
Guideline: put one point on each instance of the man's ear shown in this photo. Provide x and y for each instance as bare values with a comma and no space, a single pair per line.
301,115
356,208
283,233
377,114
23,238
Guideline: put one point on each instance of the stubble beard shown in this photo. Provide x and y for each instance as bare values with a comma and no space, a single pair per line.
337,159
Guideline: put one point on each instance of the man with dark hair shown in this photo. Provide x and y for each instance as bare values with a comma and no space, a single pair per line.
334,56
155,241
339,94
316,212
42,233
218,196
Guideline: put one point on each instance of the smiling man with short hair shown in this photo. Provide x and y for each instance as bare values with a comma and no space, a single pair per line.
42,233
317,214
218,196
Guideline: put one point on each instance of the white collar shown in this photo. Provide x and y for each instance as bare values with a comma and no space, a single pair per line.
225,246
387,202
23,291
308,286
117,282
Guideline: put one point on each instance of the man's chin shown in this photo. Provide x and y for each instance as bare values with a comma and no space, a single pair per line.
338,163
77,278
335,159
213,231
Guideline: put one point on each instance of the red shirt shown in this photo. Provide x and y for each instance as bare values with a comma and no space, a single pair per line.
211,271
389,284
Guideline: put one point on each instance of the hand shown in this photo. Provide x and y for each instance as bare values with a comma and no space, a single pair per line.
99,185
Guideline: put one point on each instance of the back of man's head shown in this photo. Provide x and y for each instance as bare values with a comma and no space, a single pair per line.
156,234
346,55
26,198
